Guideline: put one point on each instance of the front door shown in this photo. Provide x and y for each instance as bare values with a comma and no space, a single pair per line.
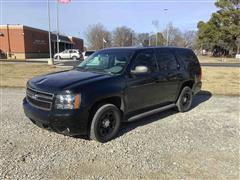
143,90
64,54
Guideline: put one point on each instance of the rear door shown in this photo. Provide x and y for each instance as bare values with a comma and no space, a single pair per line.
169,69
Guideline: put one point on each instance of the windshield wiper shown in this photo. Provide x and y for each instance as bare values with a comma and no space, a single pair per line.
84,69
80,68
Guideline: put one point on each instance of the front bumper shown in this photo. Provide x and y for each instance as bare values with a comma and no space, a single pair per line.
69,122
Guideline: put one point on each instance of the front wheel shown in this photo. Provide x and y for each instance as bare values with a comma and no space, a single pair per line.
184,102
58,58
105,123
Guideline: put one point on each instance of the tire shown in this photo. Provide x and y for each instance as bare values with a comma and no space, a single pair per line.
105,123
74,58
58,57
184,102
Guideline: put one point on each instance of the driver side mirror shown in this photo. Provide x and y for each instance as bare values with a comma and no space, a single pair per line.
140,70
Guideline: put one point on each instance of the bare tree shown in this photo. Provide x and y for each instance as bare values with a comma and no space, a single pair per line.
98,37
190,39
123,36
157,37
238,44
142,39
175,37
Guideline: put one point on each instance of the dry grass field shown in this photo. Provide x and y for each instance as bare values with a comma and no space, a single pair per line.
221,80
207,59
17,74
217,80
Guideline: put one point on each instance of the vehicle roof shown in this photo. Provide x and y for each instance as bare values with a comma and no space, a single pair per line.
148,47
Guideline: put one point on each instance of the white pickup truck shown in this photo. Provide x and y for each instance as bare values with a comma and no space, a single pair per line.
68,54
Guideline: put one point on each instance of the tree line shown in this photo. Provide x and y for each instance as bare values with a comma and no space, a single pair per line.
220,35
99,37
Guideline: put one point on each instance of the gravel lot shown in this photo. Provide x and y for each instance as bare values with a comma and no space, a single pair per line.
202,143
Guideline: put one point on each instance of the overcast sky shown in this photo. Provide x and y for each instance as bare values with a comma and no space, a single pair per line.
79,14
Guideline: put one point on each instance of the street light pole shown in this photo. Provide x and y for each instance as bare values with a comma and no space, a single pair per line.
51,61
167,29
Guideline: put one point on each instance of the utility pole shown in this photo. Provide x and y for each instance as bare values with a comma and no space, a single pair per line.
156,25
132,38
51,61
9,53
167,35
149,40
103,42
58,28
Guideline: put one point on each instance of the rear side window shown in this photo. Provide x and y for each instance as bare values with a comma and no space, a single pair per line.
145,58
186,56
166,60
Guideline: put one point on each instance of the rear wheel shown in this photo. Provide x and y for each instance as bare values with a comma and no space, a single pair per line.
105,123
74,58
184,102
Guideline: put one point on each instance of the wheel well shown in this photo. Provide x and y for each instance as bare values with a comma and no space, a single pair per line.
187,83
117,101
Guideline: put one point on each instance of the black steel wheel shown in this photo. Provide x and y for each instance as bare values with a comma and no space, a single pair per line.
105,123
184,102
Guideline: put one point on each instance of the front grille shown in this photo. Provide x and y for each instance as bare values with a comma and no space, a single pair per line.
39,99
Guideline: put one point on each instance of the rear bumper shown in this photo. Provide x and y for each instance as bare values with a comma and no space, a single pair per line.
197,87
69,122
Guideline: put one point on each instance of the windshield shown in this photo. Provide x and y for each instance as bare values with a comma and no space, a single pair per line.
88,53
107,62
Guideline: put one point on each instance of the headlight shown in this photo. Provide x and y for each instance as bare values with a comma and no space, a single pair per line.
67,101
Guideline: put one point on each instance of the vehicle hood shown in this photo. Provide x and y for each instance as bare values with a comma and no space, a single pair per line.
60,81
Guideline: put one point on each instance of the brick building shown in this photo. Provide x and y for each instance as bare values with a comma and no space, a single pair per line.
22,42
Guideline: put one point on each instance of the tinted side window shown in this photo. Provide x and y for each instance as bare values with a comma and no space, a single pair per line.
145,58
166,59
186,56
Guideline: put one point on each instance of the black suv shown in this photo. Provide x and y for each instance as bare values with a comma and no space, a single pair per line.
111,86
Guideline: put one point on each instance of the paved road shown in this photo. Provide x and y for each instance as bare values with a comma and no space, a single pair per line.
200,144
